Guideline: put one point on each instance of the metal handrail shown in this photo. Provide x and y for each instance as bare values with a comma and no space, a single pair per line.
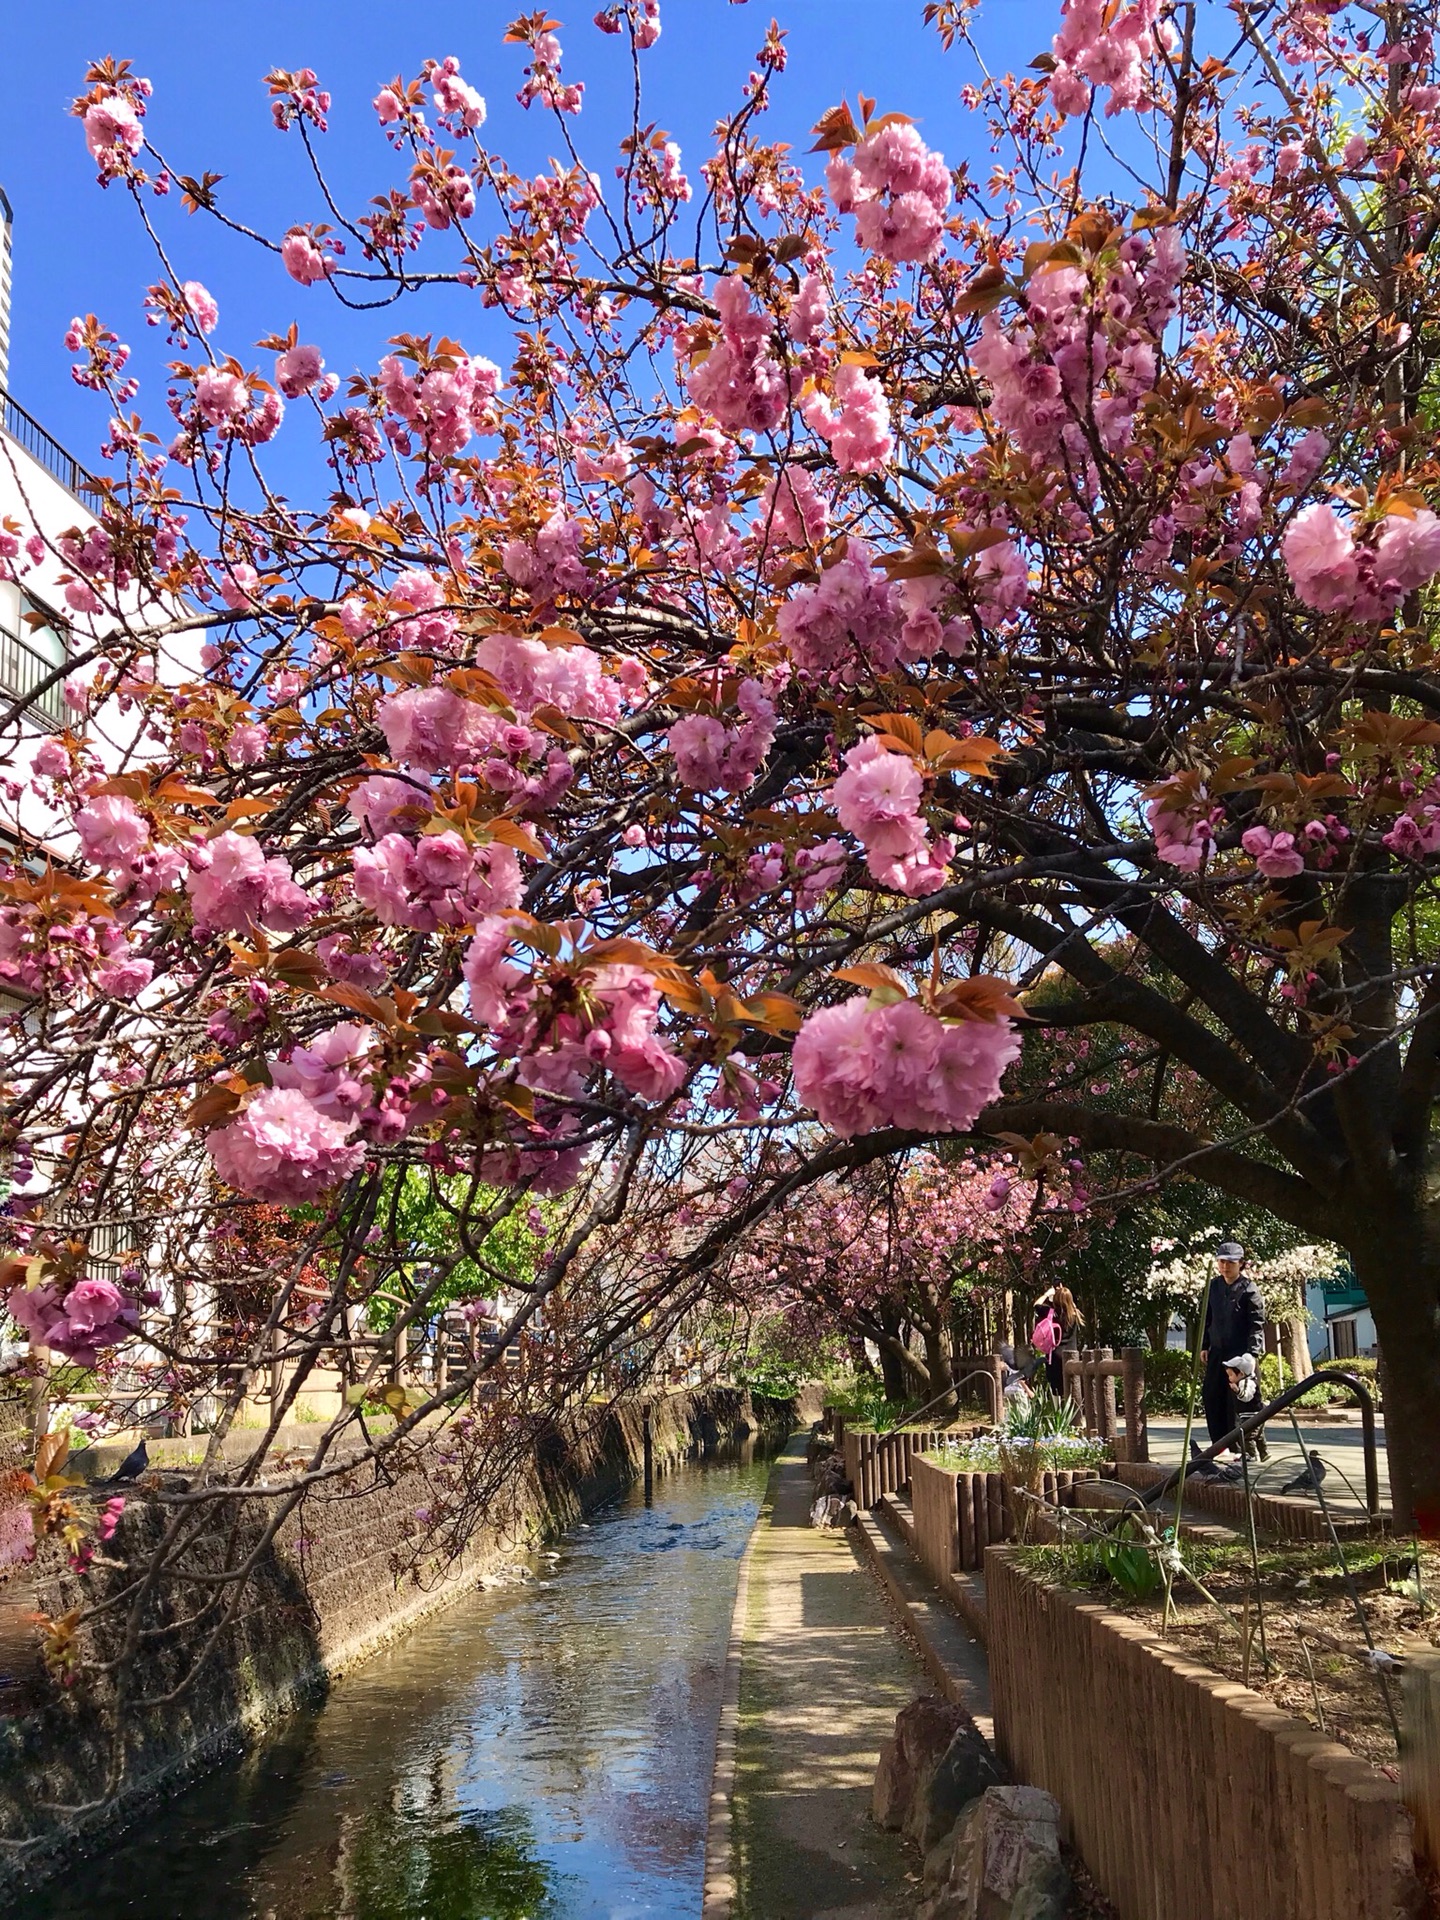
26,431
1248,1424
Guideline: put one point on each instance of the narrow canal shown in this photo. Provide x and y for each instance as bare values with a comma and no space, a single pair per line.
535,1752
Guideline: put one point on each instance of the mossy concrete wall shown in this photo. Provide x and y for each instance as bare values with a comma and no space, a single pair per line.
336,1583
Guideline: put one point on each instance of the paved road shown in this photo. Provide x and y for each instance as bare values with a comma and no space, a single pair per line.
1339,1447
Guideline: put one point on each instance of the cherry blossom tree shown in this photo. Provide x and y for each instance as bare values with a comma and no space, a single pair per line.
873,588
887,1254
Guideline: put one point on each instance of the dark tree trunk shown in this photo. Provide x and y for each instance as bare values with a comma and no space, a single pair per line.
892,1373
1397,1262
939,1357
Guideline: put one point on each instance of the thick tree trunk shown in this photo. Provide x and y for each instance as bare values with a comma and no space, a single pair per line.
892,1373
1397,1262
1158,1331
939,1357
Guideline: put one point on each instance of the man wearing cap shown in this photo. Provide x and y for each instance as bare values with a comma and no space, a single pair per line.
1234,1326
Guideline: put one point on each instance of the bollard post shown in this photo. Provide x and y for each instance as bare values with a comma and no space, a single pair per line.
1137,1428
1420,1755
1106,1414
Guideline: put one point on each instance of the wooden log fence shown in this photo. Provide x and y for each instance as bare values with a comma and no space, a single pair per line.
1090,1379
958,1514
879,1463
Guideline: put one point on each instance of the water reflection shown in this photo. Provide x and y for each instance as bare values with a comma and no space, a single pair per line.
533,1753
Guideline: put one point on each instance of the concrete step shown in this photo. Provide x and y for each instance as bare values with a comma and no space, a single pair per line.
897,1510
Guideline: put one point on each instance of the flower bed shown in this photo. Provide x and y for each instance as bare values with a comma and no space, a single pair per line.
984,1452
1313,1659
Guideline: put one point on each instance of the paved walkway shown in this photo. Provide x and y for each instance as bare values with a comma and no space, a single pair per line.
823,1673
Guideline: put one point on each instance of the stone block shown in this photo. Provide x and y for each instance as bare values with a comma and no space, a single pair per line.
1002,1861
924,1731
944,1789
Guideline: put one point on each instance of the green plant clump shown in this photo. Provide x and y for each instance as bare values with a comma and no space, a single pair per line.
861,1402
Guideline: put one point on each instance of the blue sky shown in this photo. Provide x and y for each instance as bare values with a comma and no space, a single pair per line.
81,250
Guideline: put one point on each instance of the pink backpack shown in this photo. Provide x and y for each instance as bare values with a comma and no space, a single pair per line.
1046,1336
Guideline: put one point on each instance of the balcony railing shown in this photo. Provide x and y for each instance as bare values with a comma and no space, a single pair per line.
22,670
28,433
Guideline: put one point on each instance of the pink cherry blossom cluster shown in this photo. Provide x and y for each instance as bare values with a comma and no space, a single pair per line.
738,1091
92,1315
1277,855
550,564
434,730
877,798
862,1067
542,77
613,1027
416,614
856,424
444,194
234,889
437,881
456,101
282,1148
296,1139
113,133
105,356
534,673
1082,348
305,256
1416,831
818,869
441,408
847,627
898,190
713,757
809,313
115,836
1334,573
1182,824
299,369
1099,45
298,96
202,306
793,511
739,380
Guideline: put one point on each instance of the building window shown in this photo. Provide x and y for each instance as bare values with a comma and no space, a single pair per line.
30,651
1342,1339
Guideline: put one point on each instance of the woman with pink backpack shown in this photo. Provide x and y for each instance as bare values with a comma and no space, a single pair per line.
1057,1334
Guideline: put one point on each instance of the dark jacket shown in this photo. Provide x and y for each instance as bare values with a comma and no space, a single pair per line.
1234,1321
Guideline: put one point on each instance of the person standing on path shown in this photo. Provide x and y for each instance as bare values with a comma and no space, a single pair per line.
1069,1320
1234,1325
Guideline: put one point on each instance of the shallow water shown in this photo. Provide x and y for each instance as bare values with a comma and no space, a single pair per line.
532,1753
